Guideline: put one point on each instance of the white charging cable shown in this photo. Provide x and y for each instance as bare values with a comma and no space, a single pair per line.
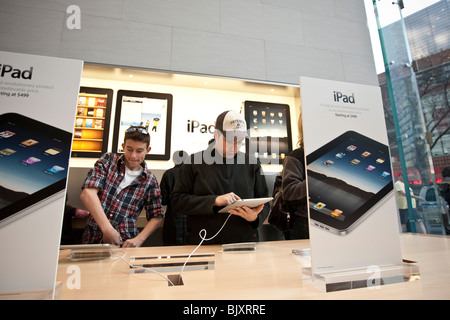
201,242
203,238
140,267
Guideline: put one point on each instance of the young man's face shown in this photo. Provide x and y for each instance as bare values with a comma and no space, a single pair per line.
134,153
227,149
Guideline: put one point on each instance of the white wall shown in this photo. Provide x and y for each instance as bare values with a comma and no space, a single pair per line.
265,40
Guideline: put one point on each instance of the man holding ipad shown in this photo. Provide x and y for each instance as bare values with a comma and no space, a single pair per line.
217,177
117,189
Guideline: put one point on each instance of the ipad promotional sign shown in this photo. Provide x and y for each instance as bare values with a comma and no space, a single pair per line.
352,209
38,98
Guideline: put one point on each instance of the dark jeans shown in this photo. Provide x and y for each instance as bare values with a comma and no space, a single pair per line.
404,218
300,229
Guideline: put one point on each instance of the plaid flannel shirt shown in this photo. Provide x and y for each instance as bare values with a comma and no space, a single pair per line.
121,208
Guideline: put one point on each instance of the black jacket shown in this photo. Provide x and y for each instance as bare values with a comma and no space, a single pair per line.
201,181
294,183
174,229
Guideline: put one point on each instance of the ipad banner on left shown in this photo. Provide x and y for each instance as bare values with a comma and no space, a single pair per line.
38,98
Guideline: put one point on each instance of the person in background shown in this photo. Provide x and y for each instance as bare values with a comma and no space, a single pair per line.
403,206
444,186
444,189
174,229
68,236
117,189
217,177
293,188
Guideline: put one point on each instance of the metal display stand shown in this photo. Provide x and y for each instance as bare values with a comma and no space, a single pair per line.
239,247
172,263
370,277
90,254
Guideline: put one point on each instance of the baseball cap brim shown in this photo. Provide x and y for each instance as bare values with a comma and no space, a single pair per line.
232,125
231,135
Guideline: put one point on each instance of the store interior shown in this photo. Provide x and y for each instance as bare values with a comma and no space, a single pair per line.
196,100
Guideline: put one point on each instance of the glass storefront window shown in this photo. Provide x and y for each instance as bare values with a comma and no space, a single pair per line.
416,98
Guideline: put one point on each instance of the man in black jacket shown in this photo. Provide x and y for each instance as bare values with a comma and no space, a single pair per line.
174,229
217,177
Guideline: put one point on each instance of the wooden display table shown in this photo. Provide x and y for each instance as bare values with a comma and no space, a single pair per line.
271,272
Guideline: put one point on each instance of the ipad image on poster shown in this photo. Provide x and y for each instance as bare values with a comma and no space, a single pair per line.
151,110
34,160
251,203
348,178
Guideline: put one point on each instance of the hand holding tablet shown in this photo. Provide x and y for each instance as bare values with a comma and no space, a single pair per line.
251,203
226,199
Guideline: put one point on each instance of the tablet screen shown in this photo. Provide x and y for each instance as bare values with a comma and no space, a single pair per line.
346,178
33,162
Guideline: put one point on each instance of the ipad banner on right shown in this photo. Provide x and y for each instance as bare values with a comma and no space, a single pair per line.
352,209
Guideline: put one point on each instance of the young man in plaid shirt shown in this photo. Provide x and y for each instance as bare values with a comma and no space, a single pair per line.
117,189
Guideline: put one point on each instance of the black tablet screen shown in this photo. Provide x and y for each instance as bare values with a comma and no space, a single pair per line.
33,162
346,177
